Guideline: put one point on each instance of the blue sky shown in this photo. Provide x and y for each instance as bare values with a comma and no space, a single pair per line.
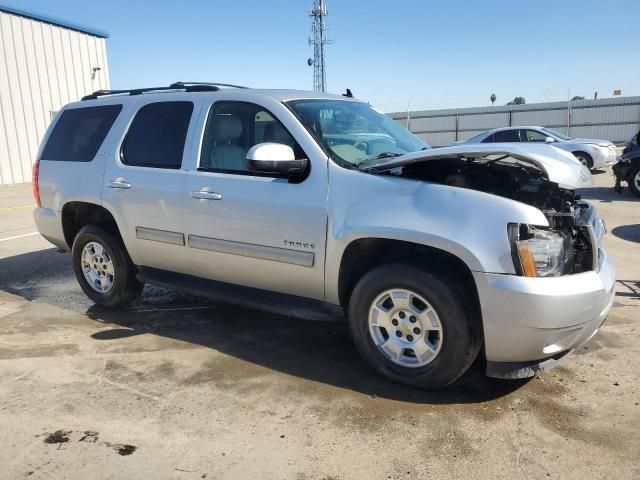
430,54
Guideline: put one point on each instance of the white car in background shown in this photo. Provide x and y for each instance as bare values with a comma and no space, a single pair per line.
590,152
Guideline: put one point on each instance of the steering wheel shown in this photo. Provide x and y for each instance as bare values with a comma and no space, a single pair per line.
363,146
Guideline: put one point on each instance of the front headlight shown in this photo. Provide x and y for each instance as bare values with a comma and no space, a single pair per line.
537,252
601,149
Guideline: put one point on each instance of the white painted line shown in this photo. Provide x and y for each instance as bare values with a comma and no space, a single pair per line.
19,236
17,207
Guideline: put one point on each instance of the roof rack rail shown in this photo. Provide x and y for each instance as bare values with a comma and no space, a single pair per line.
133,91
213,84
186,86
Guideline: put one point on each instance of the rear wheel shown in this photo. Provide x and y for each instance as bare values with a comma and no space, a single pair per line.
412,326
584,158
633,178
103,268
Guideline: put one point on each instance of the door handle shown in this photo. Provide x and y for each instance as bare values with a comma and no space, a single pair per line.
118,184
205,195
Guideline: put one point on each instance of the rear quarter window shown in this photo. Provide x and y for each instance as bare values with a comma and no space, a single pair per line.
79,133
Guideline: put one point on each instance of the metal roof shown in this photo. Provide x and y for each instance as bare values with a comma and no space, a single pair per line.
163,93
286,95
54,21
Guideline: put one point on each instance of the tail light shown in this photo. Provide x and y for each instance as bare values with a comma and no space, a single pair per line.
34,182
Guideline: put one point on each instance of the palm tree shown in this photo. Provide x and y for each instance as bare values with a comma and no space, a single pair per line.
493,98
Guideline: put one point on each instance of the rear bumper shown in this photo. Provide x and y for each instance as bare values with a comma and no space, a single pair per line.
49,224
529,321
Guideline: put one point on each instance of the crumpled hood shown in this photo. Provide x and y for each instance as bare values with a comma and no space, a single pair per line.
559,166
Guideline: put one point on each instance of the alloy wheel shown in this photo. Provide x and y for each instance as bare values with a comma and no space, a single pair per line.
405,327
97,267
583,160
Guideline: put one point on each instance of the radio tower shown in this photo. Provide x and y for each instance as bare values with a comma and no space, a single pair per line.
319,40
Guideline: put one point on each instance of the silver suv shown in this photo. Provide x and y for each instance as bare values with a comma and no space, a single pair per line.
319,206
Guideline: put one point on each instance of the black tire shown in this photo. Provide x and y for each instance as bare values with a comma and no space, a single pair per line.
126,286
586,157
462,337
635,170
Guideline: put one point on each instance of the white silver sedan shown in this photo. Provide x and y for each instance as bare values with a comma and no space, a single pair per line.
590,152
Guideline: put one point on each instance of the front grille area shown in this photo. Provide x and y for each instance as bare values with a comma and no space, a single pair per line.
587,237
583,259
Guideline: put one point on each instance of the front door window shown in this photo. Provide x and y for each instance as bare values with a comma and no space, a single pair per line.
232,129
532,136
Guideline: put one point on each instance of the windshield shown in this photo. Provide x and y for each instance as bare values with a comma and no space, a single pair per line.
561,136
353,132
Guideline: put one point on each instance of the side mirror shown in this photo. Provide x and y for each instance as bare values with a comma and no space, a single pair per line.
276,159
549,140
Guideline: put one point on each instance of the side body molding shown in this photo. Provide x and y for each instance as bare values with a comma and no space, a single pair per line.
164,236
263,252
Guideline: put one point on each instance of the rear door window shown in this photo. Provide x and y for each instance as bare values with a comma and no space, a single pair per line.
79,132
157,135
506,136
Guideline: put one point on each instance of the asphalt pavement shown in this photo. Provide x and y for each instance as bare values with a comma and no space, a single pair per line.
180,387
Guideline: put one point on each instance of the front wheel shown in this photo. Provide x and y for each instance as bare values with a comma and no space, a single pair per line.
584,158
413,327
633,178
103,268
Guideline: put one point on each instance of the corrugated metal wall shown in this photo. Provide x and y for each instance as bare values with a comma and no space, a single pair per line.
42,67
616,119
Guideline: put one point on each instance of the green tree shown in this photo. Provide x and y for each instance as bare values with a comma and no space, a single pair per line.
517,101
493,98
577,97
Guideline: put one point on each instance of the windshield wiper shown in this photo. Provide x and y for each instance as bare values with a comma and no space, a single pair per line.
380,156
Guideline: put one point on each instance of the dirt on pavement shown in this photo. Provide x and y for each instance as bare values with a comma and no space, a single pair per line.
179,387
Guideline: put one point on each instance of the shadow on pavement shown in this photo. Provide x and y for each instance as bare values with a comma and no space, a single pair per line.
606,194
633,287
318,351
630,233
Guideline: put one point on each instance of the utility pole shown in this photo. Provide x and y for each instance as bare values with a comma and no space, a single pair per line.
317,13
569,112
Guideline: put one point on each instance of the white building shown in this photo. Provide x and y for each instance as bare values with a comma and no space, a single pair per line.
45,63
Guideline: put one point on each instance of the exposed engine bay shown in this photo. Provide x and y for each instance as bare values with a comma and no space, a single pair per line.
513,179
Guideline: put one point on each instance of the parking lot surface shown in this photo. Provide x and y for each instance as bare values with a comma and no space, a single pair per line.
178,387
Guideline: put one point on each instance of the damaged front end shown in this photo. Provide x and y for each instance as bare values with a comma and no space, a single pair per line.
567,245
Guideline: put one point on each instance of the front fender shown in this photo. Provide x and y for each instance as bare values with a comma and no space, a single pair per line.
469,224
